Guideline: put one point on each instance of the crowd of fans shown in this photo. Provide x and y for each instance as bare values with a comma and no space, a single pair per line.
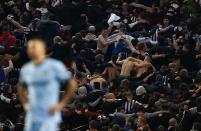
137,62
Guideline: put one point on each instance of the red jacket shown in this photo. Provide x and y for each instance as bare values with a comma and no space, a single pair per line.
7,40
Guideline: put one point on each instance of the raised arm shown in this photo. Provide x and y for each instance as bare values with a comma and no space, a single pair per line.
197,47
15,23
119,61
166,28
139,5
142,64
134,60
158,56
174,42
130,46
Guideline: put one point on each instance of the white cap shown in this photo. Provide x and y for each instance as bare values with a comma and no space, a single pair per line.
140,90
92,28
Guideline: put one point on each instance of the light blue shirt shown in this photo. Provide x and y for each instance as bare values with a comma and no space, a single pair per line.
44,86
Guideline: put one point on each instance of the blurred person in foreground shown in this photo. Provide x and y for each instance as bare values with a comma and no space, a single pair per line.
39,90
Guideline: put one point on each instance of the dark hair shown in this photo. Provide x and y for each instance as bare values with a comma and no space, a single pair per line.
78,75
197,126
19,127
141,46
188,46
134,42
79,106
133,73
6,128
39,40
129,94
115,127
5,27
198,80
33,5
93,124
135,55
165,106
161,128
96,85
105,84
